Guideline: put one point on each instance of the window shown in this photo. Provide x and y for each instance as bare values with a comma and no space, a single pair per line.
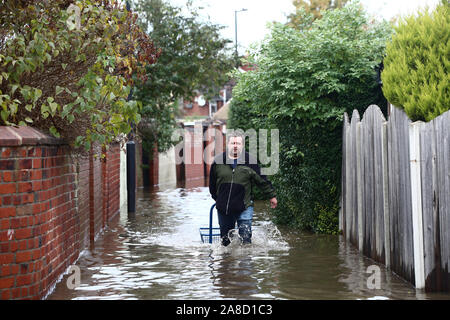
212,107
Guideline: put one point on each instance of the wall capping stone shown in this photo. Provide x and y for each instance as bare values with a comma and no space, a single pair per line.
24,135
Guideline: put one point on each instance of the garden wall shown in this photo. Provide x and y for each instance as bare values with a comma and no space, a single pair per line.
52,207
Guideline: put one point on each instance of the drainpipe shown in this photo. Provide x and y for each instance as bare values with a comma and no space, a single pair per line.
131,176
131,161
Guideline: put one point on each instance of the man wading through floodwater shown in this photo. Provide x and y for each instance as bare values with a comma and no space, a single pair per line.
231,178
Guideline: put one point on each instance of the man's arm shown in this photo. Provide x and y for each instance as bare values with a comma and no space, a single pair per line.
263,183
212,181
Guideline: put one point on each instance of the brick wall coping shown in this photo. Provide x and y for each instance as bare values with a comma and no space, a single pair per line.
23,135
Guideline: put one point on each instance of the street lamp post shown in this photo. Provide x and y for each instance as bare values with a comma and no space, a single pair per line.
235,35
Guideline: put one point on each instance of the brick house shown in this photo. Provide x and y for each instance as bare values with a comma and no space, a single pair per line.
198,112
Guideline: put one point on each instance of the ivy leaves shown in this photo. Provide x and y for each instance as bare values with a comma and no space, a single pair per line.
68,69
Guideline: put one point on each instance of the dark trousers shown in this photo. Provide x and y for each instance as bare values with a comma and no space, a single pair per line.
228,222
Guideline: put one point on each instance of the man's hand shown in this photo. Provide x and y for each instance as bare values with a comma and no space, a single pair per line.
273,203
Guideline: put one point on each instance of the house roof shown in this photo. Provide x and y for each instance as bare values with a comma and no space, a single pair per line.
222,114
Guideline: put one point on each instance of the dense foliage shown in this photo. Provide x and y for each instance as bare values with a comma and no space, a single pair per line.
306,79
416,74
66,67
193,59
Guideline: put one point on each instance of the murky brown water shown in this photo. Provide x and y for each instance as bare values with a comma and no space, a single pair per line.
159,255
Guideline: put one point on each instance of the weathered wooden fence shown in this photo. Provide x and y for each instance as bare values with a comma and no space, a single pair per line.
396,193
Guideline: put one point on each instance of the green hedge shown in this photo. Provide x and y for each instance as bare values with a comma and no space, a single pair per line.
417,67
305,81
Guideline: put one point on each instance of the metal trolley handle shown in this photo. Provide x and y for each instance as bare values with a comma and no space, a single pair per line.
211,222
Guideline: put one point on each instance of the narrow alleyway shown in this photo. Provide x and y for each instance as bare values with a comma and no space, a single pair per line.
159,255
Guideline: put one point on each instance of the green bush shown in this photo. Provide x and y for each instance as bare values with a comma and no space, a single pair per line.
417,67
66,67
305,81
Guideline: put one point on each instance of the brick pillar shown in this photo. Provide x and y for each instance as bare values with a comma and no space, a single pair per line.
38,217
112,182
194,167
96,192
154,167
209,155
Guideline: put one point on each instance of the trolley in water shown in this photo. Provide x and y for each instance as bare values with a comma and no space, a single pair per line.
210,234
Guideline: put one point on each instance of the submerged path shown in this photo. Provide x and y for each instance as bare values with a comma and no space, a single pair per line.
159,255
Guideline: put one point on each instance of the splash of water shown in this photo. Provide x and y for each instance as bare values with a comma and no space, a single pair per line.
265,238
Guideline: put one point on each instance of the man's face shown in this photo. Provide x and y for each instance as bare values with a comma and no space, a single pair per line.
235,146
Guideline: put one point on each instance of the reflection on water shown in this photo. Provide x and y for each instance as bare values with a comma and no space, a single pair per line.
158,254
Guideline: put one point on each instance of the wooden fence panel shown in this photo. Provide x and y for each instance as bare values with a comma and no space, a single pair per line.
393,173
360,186
343,175
396,204
354,181
348,179
367,165
372,140
386,212
402,261
378,120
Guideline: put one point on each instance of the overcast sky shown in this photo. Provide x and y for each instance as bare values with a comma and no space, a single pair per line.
251,24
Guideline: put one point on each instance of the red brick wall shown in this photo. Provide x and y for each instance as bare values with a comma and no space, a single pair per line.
210,138
139,168
188,170
154,167
193,170
95,194
38,233
196,110
111,187
83,201
48,213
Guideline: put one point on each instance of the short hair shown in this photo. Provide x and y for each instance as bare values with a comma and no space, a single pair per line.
235,134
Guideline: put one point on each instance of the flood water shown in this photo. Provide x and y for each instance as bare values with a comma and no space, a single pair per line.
158,254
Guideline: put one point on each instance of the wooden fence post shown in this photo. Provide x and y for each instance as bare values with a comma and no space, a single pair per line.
442,131
416,197
344,176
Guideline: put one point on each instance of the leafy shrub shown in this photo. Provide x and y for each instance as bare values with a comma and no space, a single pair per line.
194,59
327,221
417,67
66,67
306,79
